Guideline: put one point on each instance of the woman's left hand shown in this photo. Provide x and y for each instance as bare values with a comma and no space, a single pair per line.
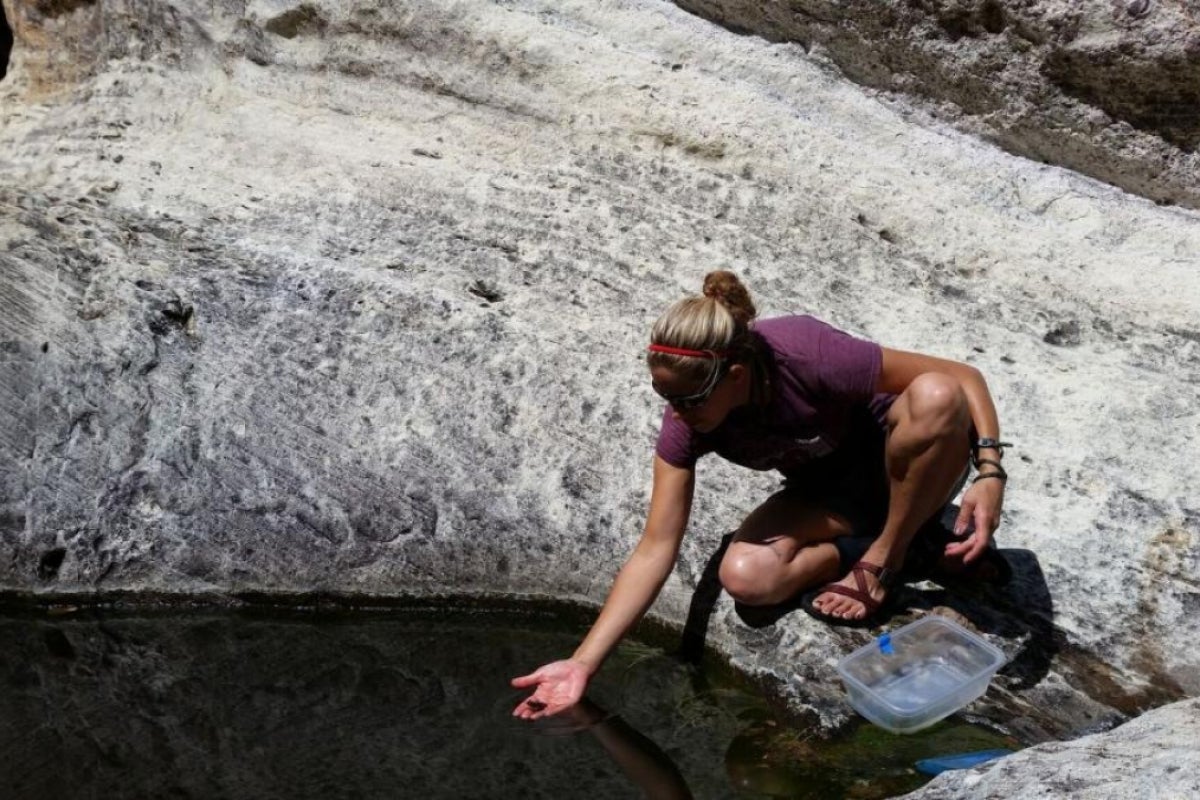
981,504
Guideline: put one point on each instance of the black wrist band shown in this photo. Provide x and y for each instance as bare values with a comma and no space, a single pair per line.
986,443
997,471
991,463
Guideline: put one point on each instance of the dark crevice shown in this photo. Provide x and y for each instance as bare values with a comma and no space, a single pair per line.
50,562
1158,98
297,22
956,24
57,8
6,42
991,16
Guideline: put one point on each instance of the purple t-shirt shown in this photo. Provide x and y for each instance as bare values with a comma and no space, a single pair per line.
823,382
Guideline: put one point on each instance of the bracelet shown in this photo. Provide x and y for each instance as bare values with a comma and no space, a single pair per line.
987,443
998,473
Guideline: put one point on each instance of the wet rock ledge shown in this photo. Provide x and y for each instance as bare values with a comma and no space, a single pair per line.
1152,756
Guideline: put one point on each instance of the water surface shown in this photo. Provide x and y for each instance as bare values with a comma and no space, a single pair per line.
398,704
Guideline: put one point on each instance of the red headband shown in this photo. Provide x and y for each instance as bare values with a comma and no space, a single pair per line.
683,351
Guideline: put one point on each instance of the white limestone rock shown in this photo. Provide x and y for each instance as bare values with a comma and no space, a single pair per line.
350,297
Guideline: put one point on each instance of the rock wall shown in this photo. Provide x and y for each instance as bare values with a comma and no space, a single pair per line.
1110,88
1151,756
350,297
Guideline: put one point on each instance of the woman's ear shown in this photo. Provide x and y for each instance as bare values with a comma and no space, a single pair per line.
739,373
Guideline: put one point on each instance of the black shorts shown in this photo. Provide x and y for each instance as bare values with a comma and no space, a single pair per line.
852,482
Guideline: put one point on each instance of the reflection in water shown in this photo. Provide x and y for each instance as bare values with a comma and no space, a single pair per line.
388,705
395,705
642,761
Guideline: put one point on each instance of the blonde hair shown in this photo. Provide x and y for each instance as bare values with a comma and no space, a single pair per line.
718,320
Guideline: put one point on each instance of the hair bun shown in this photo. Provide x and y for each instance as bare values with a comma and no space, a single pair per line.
724,287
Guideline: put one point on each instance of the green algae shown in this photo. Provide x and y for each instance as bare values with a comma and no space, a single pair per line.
767,760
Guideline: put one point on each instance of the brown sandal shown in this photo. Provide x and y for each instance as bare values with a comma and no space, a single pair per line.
886,578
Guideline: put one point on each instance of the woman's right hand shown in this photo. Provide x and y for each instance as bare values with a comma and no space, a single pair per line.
559,686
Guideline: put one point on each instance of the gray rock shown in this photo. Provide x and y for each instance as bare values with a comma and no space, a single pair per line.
350,297
1152,756
1110,88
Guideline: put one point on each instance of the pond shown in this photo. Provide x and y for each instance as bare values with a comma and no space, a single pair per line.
396,704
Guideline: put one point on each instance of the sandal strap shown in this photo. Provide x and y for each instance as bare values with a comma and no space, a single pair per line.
885,576
869,603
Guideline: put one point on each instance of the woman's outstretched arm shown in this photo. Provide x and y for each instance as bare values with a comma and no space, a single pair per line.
559,685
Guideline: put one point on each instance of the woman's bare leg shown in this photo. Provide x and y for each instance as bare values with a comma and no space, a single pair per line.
783,547
925,452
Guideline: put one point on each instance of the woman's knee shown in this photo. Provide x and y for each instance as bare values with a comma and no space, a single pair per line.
936,403
749,573
755,575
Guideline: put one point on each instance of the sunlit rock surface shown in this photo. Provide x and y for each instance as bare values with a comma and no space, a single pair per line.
351,298
1152,756
1107,87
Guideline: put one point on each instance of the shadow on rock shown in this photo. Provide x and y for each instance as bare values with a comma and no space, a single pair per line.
1022,609
708,589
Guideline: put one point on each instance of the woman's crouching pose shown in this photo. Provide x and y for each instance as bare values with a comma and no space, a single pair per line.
872,444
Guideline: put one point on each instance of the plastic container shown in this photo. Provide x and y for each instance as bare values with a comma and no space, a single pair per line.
914,676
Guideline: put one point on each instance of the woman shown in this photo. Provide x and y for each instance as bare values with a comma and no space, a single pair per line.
872,443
